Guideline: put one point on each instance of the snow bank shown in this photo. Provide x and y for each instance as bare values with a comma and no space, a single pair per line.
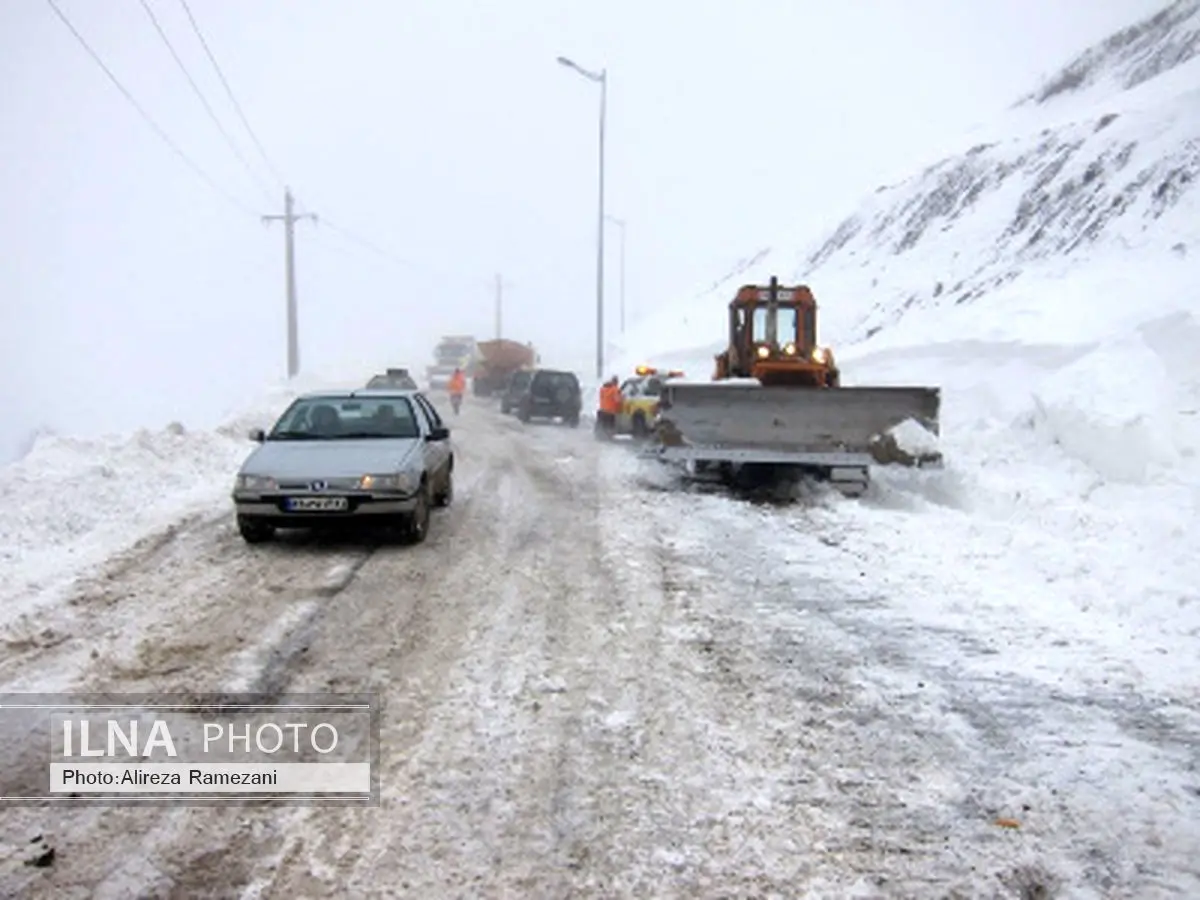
72,503
1065,523
1119,410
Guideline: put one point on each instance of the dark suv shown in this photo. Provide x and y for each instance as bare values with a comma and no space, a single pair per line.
551,394
517,383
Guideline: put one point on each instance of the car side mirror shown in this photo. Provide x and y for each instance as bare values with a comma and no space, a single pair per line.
257,435
438,434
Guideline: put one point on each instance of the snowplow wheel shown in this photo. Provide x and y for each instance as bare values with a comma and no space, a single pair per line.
641,430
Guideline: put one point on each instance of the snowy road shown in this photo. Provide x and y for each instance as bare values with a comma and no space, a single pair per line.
597,689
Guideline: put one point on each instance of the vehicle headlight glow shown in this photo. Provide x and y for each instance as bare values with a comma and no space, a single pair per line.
819,355
379,483
763,351
394,482
255,483
789,349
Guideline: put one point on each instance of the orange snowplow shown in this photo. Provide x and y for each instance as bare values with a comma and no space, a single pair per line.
777,406
773,338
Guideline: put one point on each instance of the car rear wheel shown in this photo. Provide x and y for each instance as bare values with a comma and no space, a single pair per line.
254,531
417,527
572,421
525,413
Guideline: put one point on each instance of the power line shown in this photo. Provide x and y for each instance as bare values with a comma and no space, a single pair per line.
204,100
146,116
391,257
229,91
346,233
369,245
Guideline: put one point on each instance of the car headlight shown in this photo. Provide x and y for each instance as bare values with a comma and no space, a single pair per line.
789,349
763,351
255,483
819,355
395,482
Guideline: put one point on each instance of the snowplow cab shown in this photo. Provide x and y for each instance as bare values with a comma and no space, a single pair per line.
773,338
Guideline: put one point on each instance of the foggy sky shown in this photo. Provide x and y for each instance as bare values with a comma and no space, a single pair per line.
443,132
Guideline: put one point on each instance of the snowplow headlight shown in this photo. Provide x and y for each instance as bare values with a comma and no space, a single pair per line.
789,349
763,351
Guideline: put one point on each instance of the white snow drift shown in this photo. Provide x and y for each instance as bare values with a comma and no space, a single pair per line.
72,503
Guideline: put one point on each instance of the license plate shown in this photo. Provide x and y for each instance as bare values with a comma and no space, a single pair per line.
317,504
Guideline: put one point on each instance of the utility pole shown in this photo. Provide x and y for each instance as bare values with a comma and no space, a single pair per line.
600,236
500,285
499,306
600,78
289,219
620,223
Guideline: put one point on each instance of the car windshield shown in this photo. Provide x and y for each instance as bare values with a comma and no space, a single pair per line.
344,418
652,387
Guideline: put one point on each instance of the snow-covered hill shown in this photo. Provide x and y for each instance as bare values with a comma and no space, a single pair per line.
1048,278
1127,59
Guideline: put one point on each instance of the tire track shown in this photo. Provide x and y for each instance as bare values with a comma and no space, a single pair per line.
396,620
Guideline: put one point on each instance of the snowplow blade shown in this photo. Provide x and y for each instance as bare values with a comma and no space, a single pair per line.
823,427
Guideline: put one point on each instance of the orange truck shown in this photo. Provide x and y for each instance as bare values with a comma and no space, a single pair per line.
497,361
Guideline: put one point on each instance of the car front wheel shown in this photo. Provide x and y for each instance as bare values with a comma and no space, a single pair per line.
446,495
254,531
417,527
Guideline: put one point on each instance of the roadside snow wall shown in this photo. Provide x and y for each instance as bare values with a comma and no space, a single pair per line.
71,503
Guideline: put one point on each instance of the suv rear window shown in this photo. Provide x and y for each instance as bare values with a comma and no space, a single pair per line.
552,382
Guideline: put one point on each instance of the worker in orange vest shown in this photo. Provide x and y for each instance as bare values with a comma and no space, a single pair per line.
610,407
457,387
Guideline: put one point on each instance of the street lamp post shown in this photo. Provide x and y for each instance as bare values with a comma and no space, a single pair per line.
620,223
601,78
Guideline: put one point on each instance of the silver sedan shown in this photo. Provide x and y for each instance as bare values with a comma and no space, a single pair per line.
336,457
